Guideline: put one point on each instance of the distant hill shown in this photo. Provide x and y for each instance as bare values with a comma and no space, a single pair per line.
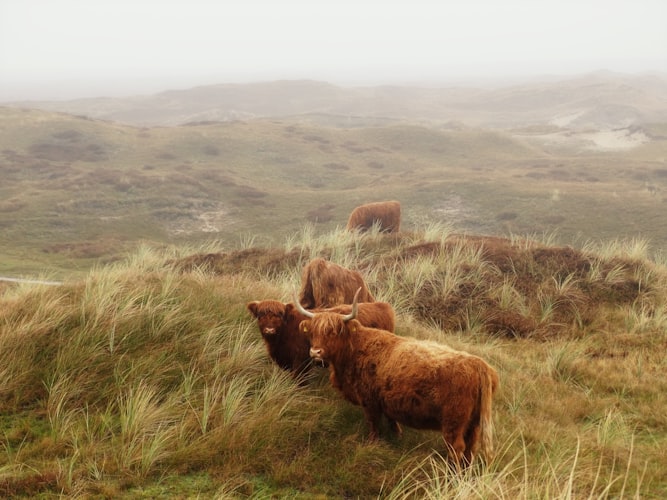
600,100
87,180
76,191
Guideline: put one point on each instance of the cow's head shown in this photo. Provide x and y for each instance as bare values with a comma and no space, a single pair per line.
270,315
326,330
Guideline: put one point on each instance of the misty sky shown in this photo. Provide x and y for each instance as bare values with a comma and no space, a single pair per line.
53,49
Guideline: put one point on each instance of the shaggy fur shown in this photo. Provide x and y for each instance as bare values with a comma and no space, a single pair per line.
289,347
325,284
422,384
385,213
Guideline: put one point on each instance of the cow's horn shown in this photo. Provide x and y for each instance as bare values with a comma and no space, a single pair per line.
300,308
353,314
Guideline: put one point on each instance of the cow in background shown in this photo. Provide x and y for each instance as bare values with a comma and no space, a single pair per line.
386,214
421,384
325,284
288,347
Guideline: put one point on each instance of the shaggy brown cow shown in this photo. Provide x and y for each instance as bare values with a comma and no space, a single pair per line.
325,284
386,214
421,384
288,347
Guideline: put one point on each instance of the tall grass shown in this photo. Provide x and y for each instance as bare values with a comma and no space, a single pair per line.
515,477
144,380
133,366
633,248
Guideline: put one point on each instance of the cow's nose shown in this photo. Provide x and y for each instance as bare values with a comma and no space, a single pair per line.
269,331
315,353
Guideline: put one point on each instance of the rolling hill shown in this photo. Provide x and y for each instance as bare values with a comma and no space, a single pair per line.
84,188
143,375
149,377
599,100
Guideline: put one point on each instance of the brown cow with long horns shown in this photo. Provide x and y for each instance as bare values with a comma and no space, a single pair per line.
421,384
289,348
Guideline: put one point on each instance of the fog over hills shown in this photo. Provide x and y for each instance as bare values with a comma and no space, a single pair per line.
87,179
600,100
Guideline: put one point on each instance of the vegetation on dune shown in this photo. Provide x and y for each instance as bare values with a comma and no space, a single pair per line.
77,192
148,377
145,376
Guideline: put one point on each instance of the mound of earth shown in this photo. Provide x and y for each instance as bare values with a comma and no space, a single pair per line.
513,288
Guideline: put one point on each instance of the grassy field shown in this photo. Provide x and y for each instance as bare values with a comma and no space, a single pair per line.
78,192
147,378
144,376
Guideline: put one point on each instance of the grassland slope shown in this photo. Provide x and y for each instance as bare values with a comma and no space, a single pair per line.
77,192
148,377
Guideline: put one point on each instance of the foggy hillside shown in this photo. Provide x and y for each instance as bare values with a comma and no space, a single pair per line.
87,179
600,100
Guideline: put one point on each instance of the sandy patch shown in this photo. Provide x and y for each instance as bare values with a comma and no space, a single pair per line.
564,120
195,221
212,222
622,139
615,140
454,209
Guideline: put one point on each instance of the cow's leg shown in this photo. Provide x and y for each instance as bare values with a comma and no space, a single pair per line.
456,445
456,429
472,442
373,415
395,427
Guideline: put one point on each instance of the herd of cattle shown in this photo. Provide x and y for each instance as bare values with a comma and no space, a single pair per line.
336,322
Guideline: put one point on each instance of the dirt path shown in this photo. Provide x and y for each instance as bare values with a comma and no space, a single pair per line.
30,281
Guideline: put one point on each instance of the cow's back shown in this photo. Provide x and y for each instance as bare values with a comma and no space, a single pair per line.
433,387
326,284
387,214
377,315
416,382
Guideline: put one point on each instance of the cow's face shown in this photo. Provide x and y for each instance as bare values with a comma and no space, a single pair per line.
326,332
270,315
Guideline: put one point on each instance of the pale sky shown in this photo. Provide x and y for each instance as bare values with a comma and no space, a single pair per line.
58,49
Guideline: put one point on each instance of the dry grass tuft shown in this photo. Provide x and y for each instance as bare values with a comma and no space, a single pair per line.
149,377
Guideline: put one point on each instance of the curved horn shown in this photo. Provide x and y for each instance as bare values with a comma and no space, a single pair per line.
353,314
300,308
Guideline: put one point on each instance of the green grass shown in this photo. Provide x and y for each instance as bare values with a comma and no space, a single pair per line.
144,376
78,192
147,377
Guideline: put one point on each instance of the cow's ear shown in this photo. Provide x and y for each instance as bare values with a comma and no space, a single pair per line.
304,327
292,313
353,325
252,307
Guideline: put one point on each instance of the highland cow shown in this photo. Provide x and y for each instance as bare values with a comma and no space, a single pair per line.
385,214
325,284
288,347
422,384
